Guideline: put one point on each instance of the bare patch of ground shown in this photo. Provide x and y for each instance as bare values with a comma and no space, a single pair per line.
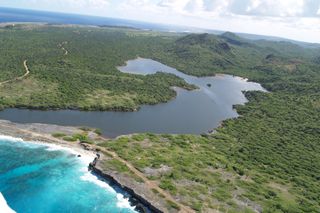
164,169
246,203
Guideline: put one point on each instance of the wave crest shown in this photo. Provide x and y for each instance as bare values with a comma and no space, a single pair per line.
122,202
10,138
4,206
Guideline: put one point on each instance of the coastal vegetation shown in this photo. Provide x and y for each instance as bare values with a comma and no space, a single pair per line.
86,78
267,160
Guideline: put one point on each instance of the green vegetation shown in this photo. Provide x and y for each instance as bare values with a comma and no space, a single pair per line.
214,172
69,138
173,205
98,131
86,78
58,135
267,159
111,164
81,137
85,128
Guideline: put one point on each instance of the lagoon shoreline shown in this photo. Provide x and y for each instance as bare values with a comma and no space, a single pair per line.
90,154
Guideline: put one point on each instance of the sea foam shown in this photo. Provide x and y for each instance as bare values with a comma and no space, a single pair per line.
85,158
122,201
10,138
4,206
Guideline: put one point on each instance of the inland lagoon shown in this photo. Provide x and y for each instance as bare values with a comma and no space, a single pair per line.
191,112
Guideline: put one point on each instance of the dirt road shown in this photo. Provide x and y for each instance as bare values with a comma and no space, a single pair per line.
20,77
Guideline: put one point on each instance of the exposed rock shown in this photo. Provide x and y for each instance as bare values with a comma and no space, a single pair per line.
245,202
164,169
134,189
140,194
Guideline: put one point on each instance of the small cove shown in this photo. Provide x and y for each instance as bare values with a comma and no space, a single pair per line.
191,112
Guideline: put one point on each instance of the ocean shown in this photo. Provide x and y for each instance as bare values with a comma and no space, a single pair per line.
48,178
22,15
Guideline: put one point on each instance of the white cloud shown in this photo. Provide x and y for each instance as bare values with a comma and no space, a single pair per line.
297,19
276,8
72,5
273,8
287,18
194,6
95,4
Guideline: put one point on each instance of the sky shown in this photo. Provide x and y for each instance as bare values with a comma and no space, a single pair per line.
294,19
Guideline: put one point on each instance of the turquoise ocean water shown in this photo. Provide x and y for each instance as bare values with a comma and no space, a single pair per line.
38,178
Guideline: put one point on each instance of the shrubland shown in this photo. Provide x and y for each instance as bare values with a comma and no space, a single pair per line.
266,160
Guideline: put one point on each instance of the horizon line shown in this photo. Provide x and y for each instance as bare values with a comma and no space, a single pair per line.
286,39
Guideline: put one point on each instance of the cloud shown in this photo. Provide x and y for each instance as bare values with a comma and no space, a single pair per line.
95,4
262,8
66,5
298,19
276,8
193,6
273,8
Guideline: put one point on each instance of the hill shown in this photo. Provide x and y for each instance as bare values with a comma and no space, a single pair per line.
75,68
267,160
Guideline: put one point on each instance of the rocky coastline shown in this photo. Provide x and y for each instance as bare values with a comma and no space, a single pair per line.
142,204
42,133
139,201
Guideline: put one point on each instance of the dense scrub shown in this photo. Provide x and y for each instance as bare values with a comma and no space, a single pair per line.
266,160
75,67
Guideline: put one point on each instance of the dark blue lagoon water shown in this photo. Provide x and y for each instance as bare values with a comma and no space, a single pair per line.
191,112
40,178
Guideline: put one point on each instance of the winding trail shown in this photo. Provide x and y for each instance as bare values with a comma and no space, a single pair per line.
64,49
20,77
150,184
